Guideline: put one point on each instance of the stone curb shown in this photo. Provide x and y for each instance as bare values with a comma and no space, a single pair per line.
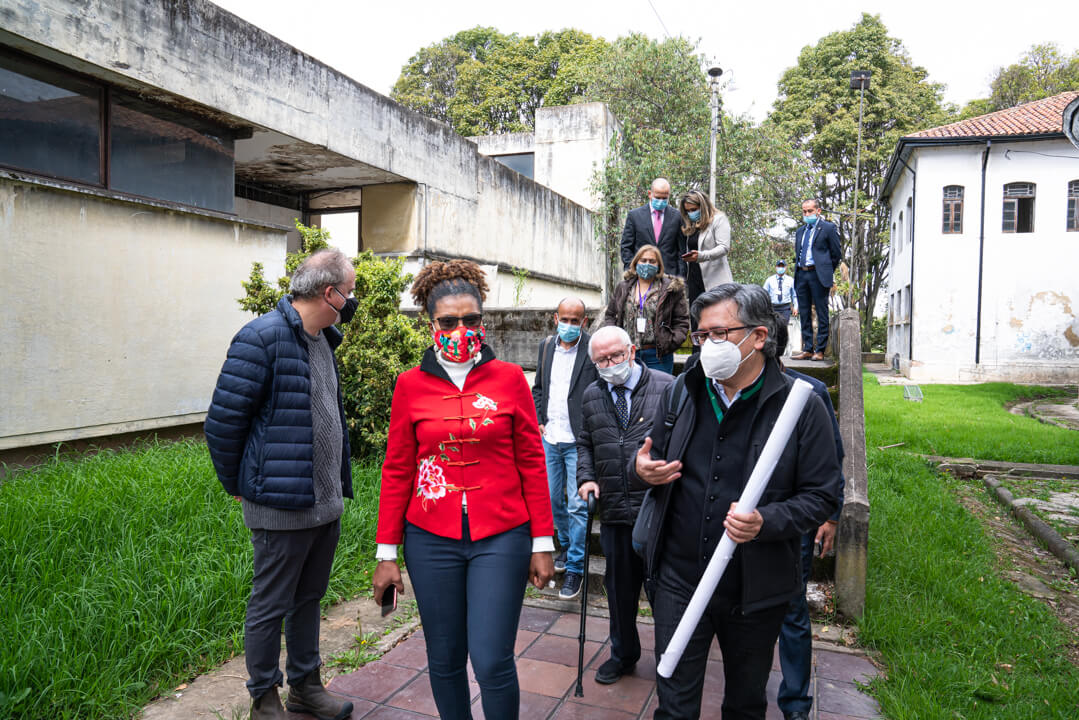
1056,544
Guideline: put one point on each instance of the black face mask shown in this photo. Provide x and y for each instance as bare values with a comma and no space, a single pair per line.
348,310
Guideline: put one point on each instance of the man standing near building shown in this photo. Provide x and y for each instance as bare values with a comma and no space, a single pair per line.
780,288
817,254
616,418
697,463
659,224
563,371
278,440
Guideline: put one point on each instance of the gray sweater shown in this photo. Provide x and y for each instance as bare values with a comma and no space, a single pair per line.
326,425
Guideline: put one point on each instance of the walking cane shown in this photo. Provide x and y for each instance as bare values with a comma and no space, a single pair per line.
579,692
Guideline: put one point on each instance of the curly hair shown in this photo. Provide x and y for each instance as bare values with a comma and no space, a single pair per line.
441,279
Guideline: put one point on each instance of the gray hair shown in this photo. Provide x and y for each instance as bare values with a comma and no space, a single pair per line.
316,273
754,309
607,331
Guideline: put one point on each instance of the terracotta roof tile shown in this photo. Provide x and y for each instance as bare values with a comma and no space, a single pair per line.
1032,118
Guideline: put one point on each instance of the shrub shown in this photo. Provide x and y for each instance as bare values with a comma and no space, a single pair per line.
380,343
878,335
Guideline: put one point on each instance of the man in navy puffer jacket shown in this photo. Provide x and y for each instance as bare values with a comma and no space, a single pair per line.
278,440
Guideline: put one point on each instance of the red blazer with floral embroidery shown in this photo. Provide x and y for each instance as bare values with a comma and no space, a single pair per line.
482,439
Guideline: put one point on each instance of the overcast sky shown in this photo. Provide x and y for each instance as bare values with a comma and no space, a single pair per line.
754,41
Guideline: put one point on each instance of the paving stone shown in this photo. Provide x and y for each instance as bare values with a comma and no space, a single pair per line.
537,619
412,653
524,639
629,694
645,667
390,713
569,625
843,698
375,681
417,697
845,667
562,650
833,716
545,678
575,711
533,706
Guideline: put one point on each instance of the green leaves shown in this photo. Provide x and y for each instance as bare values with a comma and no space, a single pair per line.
1042,72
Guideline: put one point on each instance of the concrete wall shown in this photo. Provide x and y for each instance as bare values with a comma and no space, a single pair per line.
1030,296
505,144
118,313
572,142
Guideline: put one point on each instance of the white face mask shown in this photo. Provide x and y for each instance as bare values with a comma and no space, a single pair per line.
721,360
616,374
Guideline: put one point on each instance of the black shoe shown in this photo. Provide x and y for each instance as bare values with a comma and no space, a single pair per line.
560,562
611,670
571,586
796,715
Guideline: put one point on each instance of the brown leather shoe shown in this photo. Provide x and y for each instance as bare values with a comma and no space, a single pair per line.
817,356
311,697
802,356
268,706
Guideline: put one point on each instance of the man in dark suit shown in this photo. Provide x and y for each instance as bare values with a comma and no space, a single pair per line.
659,224
563,371
816,255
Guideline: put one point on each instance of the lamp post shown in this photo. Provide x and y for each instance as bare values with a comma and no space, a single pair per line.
713,73
859,80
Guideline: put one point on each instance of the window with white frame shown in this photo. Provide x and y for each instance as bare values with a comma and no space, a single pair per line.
953,210
1018,214
1073,206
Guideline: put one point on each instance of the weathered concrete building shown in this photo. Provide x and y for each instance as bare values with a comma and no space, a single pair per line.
984,242
151,150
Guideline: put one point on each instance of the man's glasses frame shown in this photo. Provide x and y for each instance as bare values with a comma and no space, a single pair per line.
612,359
450,322
716,335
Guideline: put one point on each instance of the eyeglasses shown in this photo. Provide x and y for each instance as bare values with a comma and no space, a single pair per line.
716,335
450,322
614,359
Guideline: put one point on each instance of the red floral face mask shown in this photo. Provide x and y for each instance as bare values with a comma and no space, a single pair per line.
460,344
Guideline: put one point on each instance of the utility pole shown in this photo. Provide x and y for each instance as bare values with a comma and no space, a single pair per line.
713,73
859,80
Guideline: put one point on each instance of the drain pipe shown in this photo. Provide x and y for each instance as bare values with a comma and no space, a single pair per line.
981,261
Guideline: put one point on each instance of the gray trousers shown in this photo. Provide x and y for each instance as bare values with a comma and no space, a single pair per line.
292,571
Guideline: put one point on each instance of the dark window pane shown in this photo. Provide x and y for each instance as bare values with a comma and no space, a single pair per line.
1008,224
523,163
1019,189
1073,213
1025,215
50,123
156,152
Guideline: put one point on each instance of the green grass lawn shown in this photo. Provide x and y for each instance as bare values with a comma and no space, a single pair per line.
125,573
966,421
958,641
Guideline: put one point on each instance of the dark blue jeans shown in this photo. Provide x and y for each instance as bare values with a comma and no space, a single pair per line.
469,595
655,362
810,292
796,644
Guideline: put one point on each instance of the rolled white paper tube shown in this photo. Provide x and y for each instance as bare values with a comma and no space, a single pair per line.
747,503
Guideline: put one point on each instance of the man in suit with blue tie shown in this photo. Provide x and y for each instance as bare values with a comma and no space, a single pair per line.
817,254
659,224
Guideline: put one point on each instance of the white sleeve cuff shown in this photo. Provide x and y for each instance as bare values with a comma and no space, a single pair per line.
543,544
386,552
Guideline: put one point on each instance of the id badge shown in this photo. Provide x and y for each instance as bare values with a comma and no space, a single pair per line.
641,322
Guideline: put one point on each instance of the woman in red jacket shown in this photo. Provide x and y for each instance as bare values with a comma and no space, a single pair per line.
464,485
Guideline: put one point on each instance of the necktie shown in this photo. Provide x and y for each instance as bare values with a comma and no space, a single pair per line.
621,407
657,223
780,296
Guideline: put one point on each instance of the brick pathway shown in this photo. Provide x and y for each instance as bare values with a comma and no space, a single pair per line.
396,687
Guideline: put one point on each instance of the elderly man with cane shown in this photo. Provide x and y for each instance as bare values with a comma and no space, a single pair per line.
698,463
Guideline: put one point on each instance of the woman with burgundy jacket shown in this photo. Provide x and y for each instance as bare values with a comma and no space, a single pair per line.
464,485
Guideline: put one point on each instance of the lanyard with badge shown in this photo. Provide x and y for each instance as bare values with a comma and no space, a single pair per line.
642,322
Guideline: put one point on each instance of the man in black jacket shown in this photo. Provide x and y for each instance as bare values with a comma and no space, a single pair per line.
563,371
698,469
616,418
277,438
659,224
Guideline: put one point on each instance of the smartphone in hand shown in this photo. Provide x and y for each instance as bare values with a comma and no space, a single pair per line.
389,600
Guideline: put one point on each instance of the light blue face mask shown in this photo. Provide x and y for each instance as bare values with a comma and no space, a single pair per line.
659,204
646,270
811,219
567,332
694,215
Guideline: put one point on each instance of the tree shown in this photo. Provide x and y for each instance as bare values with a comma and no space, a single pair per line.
1042,72
379,344
659,93
483,82
818,111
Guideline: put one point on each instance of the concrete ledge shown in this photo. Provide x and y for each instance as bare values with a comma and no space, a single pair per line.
969,467
852,540
1038,528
